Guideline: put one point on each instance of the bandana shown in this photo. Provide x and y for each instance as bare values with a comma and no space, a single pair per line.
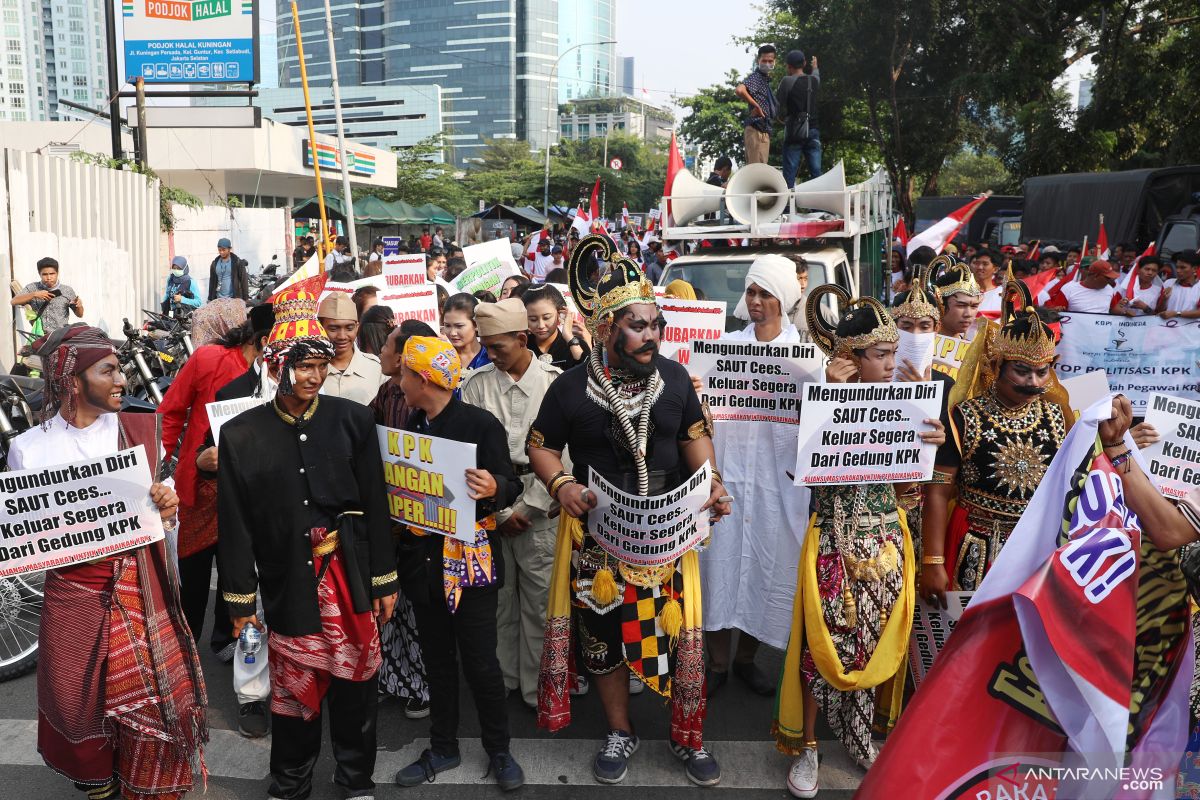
66,353
434,360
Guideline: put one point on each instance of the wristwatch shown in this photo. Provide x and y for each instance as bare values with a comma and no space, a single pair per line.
574,342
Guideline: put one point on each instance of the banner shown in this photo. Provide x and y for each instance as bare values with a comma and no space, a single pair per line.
932,627
190,41
419,303
689,321
649,531
488,264
222,411
948,353
68,514
403,272
753,381
1032,695
1140,354
866,432
1173,462
427,482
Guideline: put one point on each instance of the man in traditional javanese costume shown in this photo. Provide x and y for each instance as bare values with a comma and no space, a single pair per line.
120,693
633,417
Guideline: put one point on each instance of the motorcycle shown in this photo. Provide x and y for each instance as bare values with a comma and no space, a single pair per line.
263,284
146,379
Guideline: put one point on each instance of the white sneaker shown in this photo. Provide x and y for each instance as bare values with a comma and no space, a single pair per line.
802,777
580,686
866,762
635,684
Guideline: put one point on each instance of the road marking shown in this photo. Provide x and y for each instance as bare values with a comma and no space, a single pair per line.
547,762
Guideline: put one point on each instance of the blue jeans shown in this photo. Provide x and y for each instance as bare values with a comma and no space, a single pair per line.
810,148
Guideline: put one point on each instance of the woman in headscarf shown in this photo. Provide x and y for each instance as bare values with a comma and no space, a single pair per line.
373,328
180,294
679,289
215,319
749,568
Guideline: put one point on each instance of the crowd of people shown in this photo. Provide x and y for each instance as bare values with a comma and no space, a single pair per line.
289,503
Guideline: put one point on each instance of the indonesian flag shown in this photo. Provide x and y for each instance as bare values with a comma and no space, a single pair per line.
944,230
900,233
312,268
1102,241
534,241
594,205
582,221
1037,283
624,215
650,236
1046,294
674,167
1131,281
1043,657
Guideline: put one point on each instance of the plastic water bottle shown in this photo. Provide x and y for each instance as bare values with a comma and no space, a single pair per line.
249,641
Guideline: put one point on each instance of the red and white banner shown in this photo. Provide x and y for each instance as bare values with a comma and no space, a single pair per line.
943,231
689,321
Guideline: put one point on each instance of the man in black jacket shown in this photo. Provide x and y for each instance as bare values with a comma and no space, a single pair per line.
452,584
796,99
302,512
227,274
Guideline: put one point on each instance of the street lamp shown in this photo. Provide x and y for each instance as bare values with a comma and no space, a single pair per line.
551,108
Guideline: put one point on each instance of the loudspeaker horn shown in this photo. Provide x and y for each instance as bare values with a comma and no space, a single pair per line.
758,185
691,198
824,193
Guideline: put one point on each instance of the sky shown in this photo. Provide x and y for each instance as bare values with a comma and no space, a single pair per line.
681,46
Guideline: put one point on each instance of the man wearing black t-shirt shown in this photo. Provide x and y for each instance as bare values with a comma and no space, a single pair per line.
796,99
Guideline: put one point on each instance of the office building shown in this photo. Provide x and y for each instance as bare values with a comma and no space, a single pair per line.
52,50
592,118
387,117
627,79
589,70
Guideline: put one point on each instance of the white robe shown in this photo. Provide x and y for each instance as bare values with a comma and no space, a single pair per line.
748,571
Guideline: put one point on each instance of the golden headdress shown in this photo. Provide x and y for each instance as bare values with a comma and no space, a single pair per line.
623,285
1023,336
920,301
950,276
863,322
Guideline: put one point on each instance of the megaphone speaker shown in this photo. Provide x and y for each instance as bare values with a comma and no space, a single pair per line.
756,193
691,197
824,193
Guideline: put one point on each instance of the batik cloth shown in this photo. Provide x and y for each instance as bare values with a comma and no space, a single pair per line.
402,673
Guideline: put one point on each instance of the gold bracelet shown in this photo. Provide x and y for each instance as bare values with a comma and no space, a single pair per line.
558,483
716,476
933,560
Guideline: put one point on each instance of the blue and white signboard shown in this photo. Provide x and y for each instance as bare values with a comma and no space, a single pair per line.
191,41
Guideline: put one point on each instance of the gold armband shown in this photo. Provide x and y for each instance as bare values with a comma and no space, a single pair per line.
536,439
941,478
239,599
383,580
699,430
932,561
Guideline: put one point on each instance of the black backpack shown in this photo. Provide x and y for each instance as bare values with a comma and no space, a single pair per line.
796,128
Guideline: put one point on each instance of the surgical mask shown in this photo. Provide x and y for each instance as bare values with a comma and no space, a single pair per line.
178,273
765,69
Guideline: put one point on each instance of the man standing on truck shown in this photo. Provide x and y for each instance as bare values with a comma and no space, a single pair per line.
797,102
756,91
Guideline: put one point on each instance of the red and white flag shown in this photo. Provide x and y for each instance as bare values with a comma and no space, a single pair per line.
582,221
944,230
1102,241
1131,280
534,241
674,167
594,215
900,233
625,215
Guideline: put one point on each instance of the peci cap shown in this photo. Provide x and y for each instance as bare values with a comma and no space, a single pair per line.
338,306
506,316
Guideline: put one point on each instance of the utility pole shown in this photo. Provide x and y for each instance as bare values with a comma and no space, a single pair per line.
323,238
347,199
551,114
604,186
114,106
143,154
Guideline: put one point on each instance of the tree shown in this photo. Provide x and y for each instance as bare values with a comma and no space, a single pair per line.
715,124
967,172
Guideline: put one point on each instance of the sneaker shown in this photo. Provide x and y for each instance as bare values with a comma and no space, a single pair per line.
635,684
754,679
252,720
612,762
416,708
580,686
701,768
867,761
509,774
426,768
225,654
802,777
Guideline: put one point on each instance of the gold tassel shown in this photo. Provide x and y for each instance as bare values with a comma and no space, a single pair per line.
604,587
850,606
671,619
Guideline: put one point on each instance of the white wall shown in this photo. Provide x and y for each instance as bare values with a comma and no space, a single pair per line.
257,234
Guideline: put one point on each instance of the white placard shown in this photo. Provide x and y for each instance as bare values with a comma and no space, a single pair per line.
866,432
649,531
931,628
689,321
917,350
71,513
488,264
1084,390
565,291
401,274
1174,460
222,411
426,478
753,381
353,286
418,302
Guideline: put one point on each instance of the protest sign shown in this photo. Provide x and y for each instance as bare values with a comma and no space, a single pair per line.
689,321
402,272
352,287
488,264
753,381
1084,390
917,350
427,483
866,432
948,353
68,514
1173,462
222,411
649,531
932,626
565,291
1141,355
419,303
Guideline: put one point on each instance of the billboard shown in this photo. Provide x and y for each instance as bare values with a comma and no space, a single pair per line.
361,162
191,41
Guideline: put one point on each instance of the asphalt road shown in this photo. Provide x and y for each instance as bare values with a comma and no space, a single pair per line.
737,732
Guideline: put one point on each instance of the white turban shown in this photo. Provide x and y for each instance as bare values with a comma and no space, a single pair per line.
777,275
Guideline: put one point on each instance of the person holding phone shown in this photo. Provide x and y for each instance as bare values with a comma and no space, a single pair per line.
49,299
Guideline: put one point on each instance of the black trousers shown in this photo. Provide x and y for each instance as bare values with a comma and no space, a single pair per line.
470,633
295,744
195,578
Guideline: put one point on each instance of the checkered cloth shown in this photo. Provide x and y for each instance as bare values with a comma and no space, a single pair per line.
648,649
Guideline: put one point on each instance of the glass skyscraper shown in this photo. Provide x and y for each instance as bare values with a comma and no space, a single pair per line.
588,71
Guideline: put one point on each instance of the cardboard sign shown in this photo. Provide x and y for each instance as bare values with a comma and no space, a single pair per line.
1173,462
418,302
488,264
353,286
931,628
427,482
222,411
917,349
948,353
649,531
689,321
68,514
866,432
753,381
402,273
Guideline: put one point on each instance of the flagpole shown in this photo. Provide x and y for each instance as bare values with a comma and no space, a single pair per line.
343,156
322,240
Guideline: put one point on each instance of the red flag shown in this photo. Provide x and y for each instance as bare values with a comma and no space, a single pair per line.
674,167
944,230
1102,241
900,232
594,204
1037,282
1035,253
534,241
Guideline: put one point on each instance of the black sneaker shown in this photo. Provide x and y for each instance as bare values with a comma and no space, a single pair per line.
508,772
612,762
754,679
416,708
701,768
252,720
426,768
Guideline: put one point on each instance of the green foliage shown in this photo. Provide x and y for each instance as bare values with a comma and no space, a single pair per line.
715,124
967,173
421,180
167,195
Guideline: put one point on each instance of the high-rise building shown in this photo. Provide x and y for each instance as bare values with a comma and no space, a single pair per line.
52,50
627,79
590,70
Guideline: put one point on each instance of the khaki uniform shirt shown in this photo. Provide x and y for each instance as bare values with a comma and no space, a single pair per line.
359,381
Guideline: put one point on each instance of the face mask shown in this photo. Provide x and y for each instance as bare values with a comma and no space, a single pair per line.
765,69
178,273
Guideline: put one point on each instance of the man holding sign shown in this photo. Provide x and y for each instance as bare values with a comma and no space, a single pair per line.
632,417
112,616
